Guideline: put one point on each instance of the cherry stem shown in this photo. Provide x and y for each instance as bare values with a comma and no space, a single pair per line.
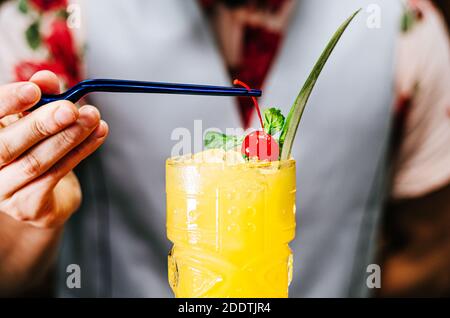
255,101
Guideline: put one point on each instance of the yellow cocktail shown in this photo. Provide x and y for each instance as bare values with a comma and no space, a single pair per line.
231,219
230,225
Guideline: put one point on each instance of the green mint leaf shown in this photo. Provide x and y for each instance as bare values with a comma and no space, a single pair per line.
33,36
216,140
295,114
273,121
23,6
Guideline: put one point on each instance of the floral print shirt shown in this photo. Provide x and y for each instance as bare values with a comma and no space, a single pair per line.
46,36
35,35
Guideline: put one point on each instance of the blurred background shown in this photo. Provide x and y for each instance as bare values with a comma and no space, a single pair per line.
414,248
414,236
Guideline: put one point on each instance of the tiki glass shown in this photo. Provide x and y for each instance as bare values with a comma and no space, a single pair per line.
230,227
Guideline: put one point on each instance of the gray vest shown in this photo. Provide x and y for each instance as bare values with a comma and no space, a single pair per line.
118,236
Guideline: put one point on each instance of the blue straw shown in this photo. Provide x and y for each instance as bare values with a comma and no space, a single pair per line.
83,88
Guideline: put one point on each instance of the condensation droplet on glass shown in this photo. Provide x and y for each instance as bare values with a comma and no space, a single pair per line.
233,227
231,195
251,227
233,211
251,211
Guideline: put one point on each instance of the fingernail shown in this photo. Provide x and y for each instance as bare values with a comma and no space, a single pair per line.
89,117
65,116
101,130
28,93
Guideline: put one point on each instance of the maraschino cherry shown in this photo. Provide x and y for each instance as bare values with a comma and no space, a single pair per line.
259,144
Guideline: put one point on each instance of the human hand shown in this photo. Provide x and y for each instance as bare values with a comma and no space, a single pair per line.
39,150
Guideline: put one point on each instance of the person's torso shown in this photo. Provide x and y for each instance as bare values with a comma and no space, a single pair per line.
118,237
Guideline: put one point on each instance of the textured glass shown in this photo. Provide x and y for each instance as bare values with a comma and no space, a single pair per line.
230,227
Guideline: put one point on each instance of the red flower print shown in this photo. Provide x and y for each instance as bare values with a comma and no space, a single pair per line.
275,5
402,109
260,49
24,70
61,46
260,43
63,58
416,7
47,5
